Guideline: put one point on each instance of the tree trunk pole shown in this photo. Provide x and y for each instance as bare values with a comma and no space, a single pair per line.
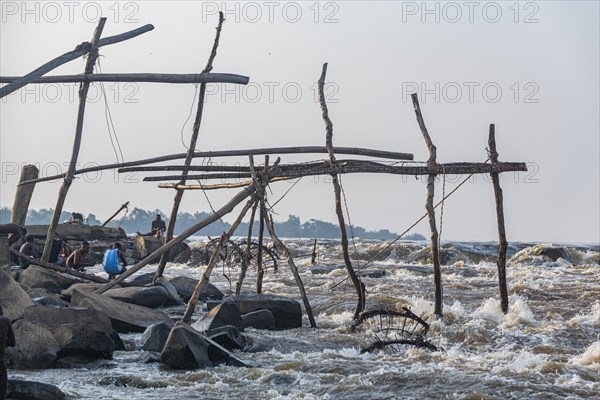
261,225
64,189
246,261
191,306
190,153
358,285
286,253
124,206
313,257
226,209
502,243
23,195
435,251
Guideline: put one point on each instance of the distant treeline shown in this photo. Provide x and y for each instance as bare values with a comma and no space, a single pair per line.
141,220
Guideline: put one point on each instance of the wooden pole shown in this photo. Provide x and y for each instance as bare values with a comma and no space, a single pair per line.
435,252
261,223
64,189
191,306
502,243
139,78
360,167
313,257
124,206
23,195
242,153
226,209
82,49
190,154
286,253
358,285
248,254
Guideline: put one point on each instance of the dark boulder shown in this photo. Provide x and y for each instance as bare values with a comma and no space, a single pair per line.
221,315
173,298
39,277
76,232
287,312
261,319
185,287
84,340
45,298
125,317
228,336
155,337
187,348
29,390
152,297
145,245
142,279
36,347
375,273
13,298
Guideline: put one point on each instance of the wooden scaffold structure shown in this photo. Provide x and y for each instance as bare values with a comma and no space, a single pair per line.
252,180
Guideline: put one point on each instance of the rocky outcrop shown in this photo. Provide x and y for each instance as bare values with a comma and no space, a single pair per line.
173,298
18,389
152,296
220,315
287,312
125,317
78,232
36,346
541,253
45,298
145,245
52,281
155,337
187,348
13,298
261,319
185,287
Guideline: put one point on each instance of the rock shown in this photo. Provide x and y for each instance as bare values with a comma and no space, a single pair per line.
152,297
148,357
45,298
554,253
142,279
84,340
146,245
155,337
228,336
4,253
36,347
261,319
173,298
77,361
376,273
540,253
286,311
18,389
185,287
39,277
125,317
75,232
13,298
184,257
53,318
86,287
187,348
220,315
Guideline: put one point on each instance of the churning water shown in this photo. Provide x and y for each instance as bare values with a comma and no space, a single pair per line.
546,347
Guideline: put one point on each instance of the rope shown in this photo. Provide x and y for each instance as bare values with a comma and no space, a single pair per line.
109,121
442,208
189,115
349,222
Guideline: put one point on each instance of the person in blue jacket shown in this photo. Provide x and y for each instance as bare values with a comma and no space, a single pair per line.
114,262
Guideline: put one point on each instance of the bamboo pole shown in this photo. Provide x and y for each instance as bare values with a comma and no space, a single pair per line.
247,256
190,154
23,195
191,306
64,189
124,206
235,153
138,77
431,163
82,49
358,285
360,167
226,209
502,243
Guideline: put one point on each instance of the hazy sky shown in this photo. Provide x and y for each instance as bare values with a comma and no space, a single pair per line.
532,68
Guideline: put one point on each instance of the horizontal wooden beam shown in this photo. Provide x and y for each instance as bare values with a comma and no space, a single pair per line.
237,153
352,167
138,77
79,51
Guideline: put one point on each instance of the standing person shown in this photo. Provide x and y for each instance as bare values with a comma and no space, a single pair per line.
114,262
78,259
7,338
29,250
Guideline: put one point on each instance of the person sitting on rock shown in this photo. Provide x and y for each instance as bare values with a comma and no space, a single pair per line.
7,338
158,228
76,218
78,259
65,252
114,262
29,250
